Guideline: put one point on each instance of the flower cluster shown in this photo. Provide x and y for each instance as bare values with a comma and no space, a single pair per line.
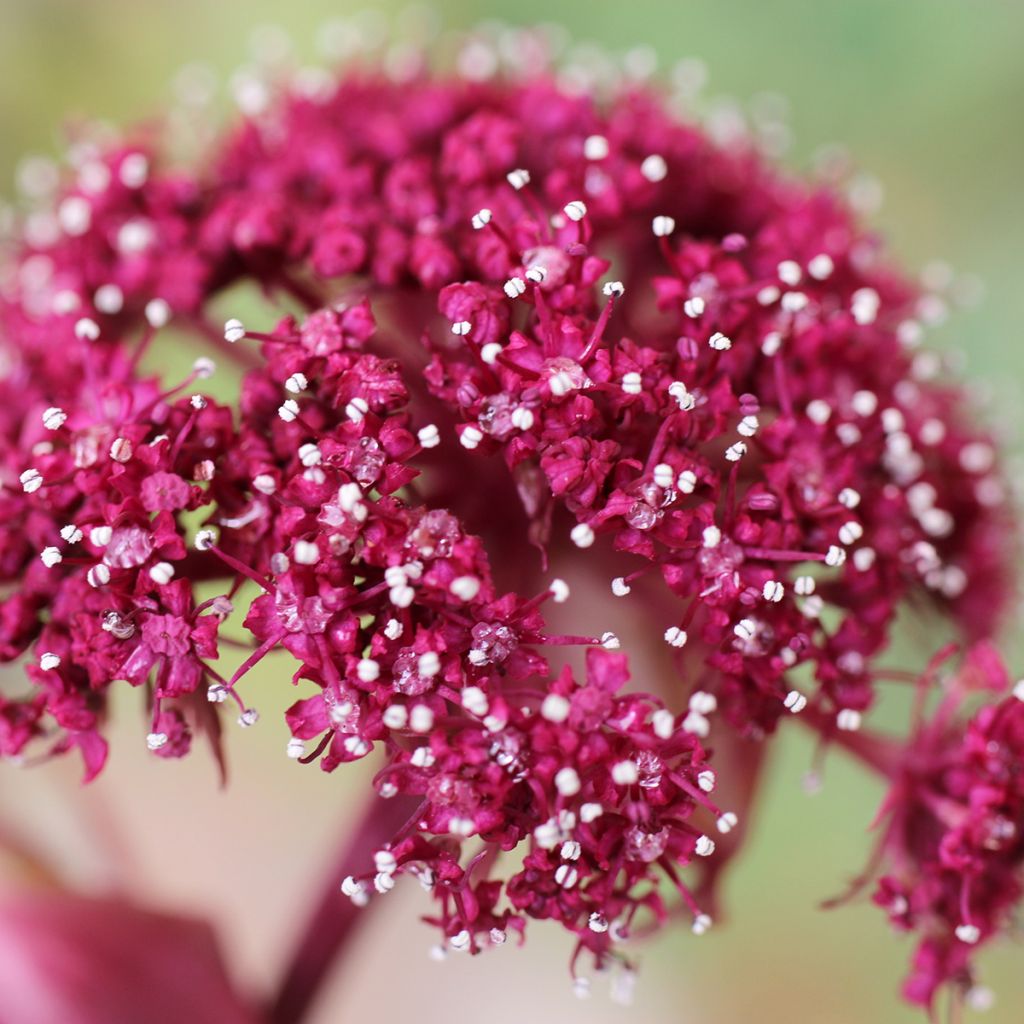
530,318
953,824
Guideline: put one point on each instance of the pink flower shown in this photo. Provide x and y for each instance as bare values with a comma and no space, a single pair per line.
628,345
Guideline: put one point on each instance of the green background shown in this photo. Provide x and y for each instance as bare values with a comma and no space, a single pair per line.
928,95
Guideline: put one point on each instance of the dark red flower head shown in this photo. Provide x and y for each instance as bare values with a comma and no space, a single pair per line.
536,327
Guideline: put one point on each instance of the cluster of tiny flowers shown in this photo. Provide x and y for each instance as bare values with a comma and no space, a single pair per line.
530,318
952,832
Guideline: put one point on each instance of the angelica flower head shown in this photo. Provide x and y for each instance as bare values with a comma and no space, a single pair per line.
536,323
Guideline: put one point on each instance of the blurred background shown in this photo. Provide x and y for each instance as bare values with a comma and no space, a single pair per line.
926,95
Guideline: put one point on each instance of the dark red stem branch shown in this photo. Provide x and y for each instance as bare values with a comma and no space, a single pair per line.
335,918
880,753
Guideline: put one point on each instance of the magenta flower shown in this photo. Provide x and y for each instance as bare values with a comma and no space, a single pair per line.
535,326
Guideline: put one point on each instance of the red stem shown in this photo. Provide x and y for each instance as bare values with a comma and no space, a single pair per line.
875,751
335,918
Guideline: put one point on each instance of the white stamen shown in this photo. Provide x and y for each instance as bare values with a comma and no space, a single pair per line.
576,210
428,664
71,533
357,409
522,418
654,168
595,147
100,535
614,288
537,274
771,343
396,717
968,933
663,226
470,437
156,740
474,700
705,846
465,588
310,455
514,287
736,451
429,436
664,475
711,537
519,178
685,401
701,923
567,781
848,498
421,719
296,383
289,410
789,272
305,553
850,533
32,480
559,590
687,481
675,637
610,642
158,313
719,342
490,352
162,573
481,218
98,575
773,590
134,170
50,557
864,403
555,708
804,585
795,701
75,215
835,556
582,535
819,411
820,266
663,722
702,703
234,330
625,773
727,822
748,426
632,383
54,418
49,661
109,299
706,780
121,450
561,383
848,720
620,588
296,748
566,876
694,307
864,305
87,330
